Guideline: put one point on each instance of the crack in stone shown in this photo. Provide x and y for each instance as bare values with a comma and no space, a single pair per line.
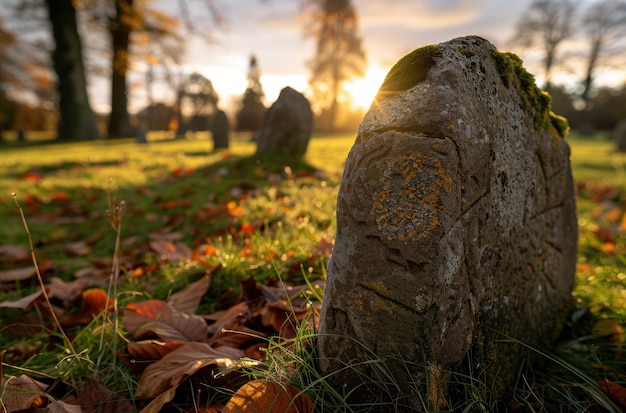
381,295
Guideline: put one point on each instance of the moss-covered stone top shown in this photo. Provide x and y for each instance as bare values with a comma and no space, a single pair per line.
410,70
535,100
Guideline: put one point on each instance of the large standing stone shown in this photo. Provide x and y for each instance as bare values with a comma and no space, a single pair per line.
287,125
456,230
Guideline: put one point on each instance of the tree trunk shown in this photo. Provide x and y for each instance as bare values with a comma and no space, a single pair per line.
120,26
594,53
76,120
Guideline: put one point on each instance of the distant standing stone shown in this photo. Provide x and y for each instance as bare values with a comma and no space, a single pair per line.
287,125
456,229
220,130
142,135
619,135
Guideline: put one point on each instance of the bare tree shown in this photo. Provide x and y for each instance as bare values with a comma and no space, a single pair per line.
138,30
604,25
545,26
339,54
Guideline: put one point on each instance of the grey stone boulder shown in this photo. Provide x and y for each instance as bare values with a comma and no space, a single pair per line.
456,231
220,130
287,125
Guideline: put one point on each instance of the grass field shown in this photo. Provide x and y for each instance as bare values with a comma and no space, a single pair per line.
180,204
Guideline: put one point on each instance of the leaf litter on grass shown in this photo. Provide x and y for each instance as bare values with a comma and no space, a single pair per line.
227,245
166,275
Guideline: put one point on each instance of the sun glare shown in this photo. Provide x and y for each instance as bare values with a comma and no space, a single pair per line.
363,89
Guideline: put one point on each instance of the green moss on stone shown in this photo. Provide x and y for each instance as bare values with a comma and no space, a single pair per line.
534,100
560,124
467,53
410,70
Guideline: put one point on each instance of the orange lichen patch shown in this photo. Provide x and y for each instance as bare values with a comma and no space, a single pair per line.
407,205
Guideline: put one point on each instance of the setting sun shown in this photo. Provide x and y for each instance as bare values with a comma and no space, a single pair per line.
362,90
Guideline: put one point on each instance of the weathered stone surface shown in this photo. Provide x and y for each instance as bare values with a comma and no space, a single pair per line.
220,130
619,135
287,125
455,224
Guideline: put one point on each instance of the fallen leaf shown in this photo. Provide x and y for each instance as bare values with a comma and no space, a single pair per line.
151,349
10,254
17,274
97,398
23,303
21,393
155,405
247,229
616,392
155,317
282,317
33,176
140,354
188,299
260,396
59,406
24,325
170,250
66,292
181,363
77,248
94,301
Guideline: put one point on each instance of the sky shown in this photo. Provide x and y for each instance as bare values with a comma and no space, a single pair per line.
272,30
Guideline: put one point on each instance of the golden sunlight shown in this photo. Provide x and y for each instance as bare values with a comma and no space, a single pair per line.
362,90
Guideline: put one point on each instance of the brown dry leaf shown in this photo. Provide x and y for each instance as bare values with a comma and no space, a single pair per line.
94,301
155,405
10,254
296,295
92,273
188,299
165,236
66,292
230,330
23,303
155,317
181,363
150,349
24,325
95,398
21,393
236,312
17,274
282,317
616,392
171,250
58,406
238,336
78,248
260,396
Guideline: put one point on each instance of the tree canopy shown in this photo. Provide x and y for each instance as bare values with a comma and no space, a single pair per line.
339,53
